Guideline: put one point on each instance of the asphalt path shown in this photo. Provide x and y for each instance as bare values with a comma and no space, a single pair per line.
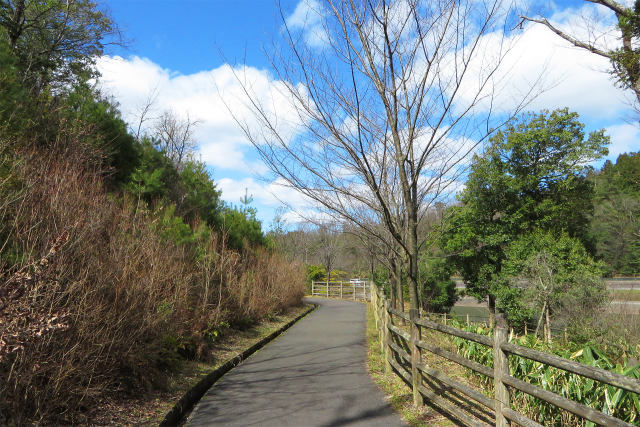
312,375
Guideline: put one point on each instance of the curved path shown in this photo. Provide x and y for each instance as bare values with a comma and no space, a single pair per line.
312,375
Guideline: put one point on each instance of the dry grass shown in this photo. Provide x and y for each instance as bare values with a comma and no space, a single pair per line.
96,303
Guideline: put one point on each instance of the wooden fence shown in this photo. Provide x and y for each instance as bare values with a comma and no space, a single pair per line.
355,290
402,352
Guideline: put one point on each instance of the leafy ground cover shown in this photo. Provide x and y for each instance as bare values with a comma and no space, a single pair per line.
608,399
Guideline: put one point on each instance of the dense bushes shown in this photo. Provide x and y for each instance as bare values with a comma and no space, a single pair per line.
101,298
524,219
437,290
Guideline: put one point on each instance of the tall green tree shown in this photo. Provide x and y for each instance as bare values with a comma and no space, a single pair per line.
13,96
531,176
56,41
88,108
616,219
155,176
242,228
201,198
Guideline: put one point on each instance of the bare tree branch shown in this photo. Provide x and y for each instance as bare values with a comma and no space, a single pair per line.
567,37
387,111
174,136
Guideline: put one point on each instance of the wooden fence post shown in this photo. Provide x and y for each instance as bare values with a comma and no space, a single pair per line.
416,357
374,307
500,369
386,352
381,304
340,289
383,323
468,323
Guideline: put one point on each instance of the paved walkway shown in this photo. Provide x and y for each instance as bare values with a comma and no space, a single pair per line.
312,375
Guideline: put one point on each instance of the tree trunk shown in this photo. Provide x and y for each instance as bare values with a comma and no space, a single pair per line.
399,291
392,282
548,319
413,259
492,310
544,309
16,25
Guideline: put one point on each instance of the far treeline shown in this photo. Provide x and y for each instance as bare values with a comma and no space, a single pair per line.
118,258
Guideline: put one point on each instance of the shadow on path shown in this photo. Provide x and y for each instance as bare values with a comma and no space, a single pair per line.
313,375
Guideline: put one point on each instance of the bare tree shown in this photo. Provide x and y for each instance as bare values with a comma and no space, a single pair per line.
329,245
174,136
144,112
388,109
625,59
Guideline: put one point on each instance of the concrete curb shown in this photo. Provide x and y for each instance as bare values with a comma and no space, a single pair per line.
192,396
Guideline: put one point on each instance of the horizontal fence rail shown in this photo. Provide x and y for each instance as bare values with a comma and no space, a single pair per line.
402,347
344,289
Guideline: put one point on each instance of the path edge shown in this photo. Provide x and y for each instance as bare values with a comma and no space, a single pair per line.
177,414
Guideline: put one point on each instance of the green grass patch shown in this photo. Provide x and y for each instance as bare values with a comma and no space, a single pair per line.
626,295
476,314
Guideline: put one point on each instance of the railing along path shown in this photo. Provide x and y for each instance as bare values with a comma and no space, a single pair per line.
352,289
402,352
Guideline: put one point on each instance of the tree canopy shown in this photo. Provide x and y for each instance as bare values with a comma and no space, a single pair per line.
56,42
532,176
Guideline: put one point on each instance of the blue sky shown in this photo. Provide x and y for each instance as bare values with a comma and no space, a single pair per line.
188,36
182,51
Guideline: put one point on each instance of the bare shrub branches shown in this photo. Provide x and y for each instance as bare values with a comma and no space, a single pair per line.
98,301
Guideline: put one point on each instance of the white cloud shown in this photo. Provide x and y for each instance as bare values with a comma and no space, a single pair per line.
307,18
537,58
222,144
580,78
625,138
272,194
